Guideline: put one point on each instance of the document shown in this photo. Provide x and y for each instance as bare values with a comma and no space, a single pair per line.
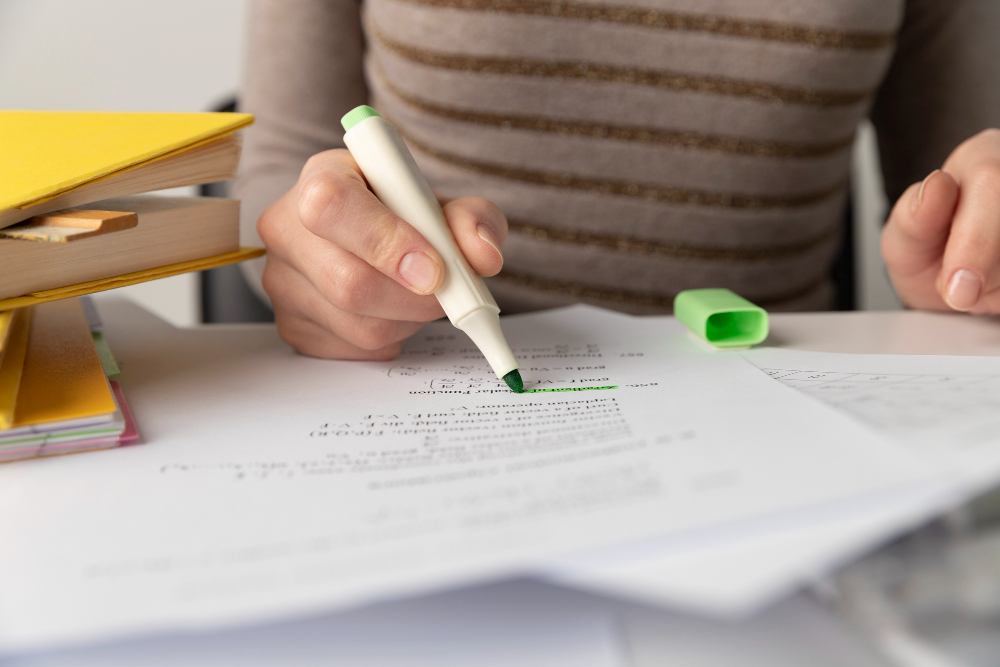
520,624
272,484
946,408
515,623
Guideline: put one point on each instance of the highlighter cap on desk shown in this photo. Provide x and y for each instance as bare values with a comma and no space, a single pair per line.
721,317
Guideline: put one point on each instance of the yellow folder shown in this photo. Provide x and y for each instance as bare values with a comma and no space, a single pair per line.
6,324
47,153
63,377
12,362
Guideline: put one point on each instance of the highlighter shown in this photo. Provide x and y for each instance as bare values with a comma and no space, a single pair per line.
396,180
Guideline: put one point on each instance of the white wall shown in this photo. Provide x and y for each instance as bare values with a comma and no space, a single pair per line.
123,55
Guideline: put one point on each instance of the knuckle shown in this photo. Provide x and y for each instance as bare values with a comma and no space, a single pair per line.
318,194
386,252
325,199
346,287
270,281
269,226
990,135
387,353
291,331
974,145
986,175
372,334
484,211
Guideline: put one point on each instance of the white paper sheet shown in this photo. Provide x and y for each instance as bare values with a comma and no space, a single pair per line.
527,624
944,408
491,626
273,484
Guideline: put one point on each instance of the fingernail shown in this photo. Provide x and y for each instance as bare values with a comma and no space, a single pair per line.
963,290
486,234
920,193
420,271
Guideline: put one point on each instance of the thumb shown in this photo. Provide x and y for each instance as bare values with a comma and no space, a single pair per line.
916,234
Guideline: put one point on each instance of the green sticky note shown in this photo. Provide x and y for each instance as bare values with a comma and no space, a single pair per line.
721,317
104,352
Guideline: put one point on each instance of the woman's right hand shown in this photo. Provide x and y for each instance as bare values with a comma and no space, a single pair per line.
348,278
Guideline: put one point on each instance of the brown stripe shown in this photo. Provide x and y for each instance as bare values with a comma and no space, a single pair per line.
643,135
661,193
652,18
633,245
600,73
609,295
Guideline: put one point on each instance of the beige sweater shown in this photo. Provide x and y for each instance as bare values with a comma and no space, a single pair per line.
637,149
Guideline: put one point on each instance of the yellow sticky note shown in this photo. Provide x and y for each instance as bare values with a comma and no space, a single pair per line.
62,377
12,363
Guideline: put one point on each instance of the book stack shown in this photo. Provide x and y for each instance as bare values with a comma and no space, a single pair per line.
58,392
73,221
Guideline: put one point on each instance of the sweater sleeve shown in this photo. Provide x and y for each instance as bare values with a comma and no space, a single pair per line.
302,71
943,87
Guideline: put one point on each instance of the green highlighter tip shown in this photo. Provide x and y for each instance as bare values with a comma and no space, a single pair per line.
513,380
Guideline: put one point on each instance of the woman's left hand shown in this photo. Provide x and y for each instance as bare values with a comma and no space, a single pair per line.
942,241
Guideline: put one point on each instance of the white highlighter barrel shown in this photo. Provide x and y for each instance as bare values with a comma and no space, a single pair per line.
393,175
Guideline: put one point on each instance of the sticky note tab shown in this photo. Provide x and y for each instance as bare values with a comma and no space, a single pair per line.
104,352
721,317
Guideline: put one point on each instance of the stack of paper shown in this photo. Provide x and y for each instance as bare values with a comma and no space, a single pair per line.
55,395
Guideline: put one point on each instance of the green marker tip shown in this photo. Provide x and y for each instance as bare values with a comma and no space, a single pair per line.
513,380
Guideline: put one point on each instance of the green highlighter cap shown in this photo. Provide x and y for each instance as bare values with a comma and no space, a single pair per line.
721,317
356,115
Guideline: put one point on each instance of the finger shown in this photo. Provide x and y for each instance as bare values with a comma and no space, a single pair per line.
915,236
335,204
308,338
973,249
344,280
479,229
298,297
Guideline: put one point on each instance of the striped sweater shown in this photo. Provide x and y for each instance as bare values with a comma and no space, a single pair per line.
637,147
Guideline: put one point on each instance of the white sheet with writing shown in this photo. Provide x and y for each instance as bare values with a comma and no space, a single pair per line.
272,484
944,408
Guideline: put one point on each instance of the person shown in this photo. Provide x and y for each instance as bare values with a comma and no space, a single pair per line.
617,152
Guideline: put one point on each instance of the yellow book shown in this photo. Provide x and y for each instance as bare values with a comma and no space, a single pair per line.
93,286
62,378
58,159
12,362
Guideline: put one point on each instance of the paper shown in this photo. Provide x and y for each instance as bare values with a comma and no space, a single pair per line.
493,626
273,484
519,623
735,571
946,409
